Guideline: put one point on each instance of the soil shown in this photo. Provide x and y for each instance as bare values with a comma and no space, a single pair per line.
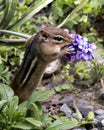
81,96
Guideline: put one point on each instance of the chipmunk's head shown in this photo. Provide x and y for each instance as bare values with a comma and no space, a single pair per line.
53,40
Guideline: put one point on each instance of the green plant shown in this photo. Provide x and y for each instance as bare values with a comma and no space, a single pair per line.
83,70
22,17
97,70
15,115
5,74
63,87
28,115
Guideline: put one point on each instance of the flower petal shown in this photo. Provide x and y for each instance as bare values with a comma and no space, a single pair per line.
83,49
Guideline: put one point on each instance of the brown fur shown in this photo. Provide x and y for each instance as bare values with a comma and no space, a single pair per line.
46,49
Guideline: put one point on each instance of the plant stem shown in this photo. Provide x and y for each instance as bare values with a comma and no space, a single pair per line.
12,42
15,33
79,7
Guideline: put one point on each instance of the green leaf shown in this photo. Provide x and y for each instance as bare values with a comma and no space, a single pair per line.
66,86
2,5
40,95
32,12
79,115
77,2
23,126
9,12
6,93
91,116
2,103
37,111
59,88
94,3
12,111
5,12
14,104
33,121
75,11
63,124
23,106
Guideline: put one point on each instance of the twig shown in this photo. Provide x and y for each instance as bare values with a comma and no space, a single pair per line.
12,42
102,84
14,33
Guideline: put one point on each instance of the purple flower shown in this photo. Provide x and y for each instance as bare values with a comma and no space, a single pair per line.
83,49
20,1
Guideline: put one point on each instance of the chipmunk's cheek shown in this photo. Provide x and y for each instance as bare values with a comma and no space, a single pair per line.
67,43
49,49
45,49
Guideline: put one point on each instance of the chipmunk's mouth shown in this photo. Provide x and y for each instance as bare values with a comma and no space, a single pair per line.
50,49
64,46
69,47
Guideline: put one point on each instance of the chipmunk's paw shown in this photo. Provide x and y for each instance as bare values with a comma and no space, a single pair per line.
67,50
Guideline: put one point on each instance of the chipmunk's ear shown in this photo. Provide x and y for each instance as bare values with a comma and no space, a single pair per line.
44,34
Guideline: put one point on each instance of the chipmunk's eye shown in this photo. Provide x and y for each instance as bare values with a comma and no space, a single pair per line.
58,38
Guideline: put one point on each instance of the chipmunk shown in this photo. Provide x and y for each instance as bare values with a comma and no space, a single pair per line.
41,49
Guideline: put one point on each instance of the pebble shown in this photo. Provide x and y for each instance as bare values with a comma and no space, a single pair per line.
100,117
64,108
97,124
83,103
67,99
102,122
99,112
95,129
84,111
101,97
81,128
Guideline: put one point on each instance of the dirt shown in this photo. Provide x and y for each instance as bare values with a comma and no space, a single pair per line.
81,96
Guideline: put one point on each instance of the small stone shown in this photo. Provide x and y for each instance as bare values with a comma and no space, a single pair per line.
44,109
75,115
99,111
96,121
84,111
95,129
100,117
67,99
64,108
102,122
81,128
97,124
83,103
101,97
